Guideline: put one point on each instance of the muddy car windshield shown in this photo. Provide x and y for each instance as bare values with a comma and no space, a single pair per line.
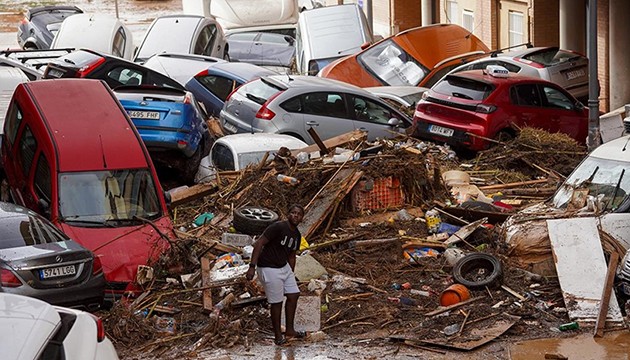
605,180
107,196
392,65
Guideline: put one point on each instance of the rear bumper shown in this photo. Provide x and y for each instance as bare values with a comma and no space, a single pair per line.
160,140
234,125
460,138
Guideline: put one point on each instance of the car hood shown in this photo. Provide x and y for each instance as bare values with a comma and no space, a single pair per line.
23,253
122,249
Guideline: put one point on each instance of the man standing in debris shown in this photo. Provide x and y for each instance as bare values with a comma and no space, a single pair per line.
274,255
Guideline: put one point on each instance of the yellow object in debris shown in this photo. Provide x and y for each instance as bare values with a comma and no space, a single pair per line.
303,244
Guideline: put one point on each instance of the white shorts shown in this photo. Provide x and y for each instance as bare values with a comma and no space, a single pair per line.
277,282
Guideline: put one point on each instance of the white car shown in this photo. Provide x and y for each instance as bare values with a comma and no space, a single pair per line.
34,329
235,152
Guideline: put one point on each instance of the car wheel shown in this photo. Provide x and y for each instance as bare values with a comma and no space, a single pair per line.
226,55
478,270
192,165
253,220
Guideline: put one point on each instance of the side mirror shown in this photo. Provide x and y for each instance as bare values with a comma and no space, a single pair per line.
579,106
393,122
44,207
289,39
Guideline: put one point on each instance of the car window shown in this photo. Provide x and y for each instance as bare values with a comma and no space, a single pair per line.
259,90
483,64
125,76
28,146
293,105
120,40
27,230
222,158
12,123
206,40
556,99
552,56
371,111
244,36
525,95
392,65
220,86
273,38
43,186
464,88
325,104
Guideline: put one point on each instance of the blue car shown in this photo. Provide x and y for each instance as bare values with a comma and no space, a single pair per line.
171,125
213,86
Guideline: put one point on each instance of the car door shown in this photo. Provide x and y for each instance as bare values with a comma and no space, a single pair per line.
561,110
327,112
241,46
216,89
528,109
375,117
206,43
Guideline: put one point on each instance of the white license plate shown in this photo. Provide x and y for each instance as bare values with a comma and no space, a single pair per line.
55,73
58,271
434,129
574,74
150,115
229,127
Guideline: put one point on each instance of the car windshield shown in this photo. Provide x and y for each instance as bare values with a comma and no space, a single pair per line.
551,57
597,177
245,159
102,196
413,98
463,88
27,230
392,65
259,91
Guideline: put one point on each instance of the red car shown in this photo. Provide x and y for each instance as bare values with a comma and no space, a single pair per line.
466,108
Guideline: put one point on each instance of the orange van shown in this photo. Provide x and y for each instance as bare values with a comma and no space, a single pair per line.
72,154
416,57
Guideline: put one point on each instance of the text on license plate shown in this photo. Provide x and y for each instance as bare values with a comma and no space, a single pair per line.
57,271
434,129
574,74
151,115
55,73
229,127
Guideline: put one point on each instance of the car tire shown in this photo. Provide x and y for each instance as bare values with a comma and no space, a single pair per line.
226,55
477,271
252,220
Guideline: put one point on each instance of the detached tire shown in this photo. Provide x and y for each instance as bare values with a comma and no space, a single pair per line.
478,270
253,220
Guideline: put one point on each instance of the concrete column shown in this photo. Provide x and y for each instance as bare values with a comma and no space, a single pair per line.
427,12
619,66
573,25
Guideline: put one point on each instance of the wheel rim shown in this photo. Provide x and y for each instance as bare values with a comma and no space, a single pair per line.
257,214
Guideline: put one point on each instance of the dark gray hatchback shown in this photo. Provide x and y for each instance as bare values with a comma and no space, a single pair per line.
38,260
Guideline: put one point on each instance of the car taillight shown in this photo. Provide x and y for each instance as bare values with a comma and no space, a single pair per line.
181,144
100,329
84,71
202,73
97,267
8,278
485,109
264,113
530,63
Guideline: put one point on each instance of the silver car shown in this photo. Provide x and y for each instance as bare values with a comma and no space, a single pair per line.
566,68
291,105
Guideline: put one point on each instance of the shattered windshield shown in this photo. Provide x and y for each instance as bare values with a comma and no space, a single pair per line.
392,65
102,196
606,180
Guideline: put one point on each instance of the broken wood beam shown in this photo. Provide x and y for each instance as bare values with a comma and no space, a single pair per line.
337,141
513,293
205,281
513,185
190,193
600,324
451,307
320,144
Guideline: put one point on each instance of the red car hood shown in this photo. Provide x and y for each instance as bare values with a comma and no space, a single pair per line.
122,249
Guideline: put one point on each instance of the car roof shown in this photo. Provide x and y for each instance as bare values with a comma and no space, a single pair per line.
241,70
29,323
244,143
396,90
298,81
180,67
512,78
522,52
618,149
108,142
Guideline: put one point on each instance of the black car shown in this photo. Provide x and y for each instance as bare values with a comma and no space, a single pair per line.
38,260
40,24
114,70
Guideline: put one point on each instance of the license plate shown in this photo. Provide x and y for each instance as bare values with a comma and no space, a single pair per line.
55,73
150,115
574,74
229,127
57,271
434,129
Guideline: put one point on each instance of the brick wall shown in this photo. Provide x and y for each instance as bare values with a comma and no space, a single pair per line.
603,41
407,14
545,22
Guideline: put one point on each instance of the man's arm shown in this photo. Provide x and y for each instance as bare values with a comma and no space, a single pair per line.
291,260
258,245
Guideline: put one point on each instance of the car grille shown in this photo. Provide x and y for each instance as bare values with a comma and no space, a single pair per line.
452,104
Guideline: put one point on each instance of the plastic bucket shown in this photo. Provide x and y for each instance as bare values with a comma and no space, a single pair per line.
456,177
454,294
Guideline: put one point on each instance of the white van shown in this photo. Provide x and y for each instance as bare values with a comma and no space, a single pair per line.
99,32
277,16
325,34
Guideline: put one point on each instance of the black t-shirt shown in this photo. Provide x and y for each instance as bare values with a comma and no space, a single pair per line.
282,241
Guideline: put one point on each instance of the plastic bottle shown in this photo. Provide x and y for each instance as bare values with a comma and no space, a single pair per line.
569,326
302,157
419,292
433,220
287,179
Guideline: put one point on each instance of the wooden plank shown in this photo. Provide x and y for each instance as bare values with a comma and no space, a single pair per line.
205,282
190,193
451,307
323,203
513,185
600,324
581,267
337,141
318,141
215,128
